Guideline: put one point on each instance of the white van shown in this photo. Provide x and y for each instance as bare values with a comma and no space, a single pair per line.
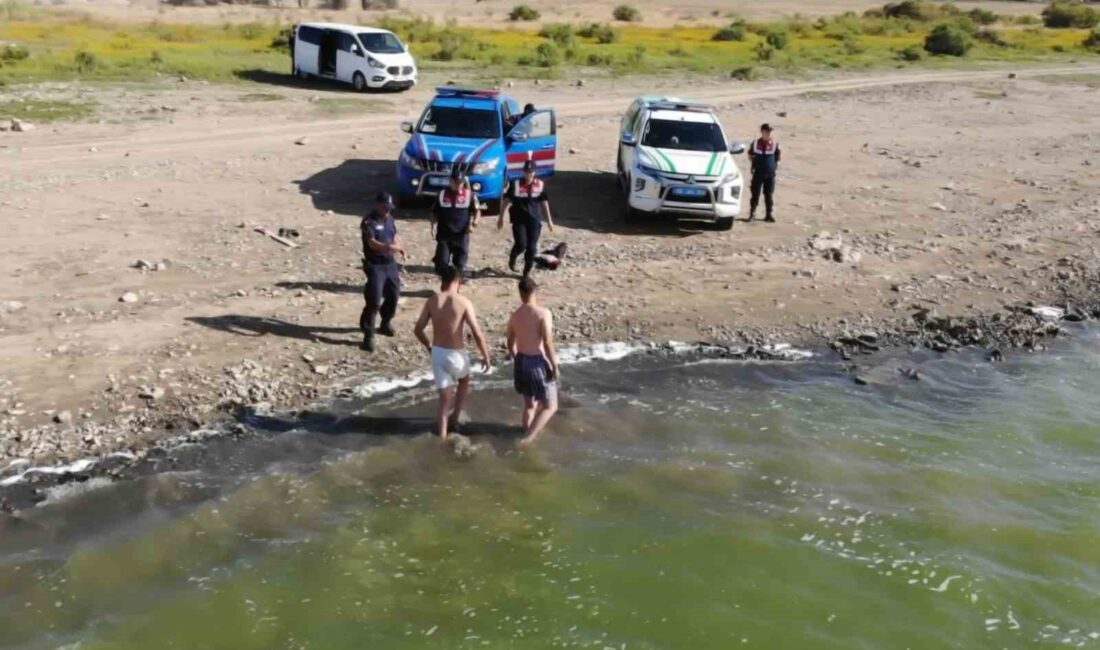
365,57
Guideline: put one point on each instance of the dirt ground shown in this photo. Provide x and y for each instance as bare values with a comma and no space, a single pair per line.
495,12
960,191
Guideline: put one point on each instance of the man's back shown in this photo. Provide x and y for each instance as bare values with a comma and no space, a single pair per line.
527,327
448,313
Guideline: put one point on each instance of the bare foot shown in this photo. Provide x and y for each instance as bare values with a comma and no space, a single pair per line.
524,443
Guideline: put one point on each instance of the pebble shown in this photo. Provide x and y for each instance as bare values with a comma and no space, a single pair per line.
129,296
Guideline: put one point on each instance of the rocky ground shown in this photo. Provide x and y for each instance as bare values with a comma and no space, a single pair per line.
142,302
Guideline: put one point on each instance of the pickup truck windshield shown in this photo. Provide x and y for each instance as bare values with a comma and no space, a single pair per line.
690,136
460,122
381,43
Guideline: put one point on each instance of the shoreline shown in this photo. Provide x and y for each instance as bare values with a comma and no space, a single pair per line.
1015,328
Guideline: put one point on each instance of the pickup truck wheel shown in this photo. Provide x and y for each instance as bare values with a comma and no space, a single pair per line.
724,223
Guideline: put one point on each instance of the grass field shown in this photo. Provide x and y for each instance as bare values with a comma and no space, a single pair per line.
37,45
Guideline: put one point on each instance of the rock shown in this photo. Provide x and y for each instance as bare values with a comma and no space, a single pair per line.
805,273
1011,75
1049,313
580,83
143,265
64,417
129,296
151,392
573,151
462,446
510,84
938,206
302,141
996,356
19,126
320,369
11,306
824,241
782,113
861,380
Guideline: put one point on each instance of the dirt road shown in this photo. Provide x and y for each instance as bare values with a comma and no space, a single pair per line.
960,191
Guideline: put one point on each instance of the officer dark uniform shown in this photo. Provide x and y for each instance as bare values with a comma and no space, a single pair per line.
764,154
529,204
452,218
383,287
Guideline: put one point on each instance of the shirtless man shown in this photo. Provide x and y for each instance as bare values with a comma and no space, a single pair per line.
449,314
531,342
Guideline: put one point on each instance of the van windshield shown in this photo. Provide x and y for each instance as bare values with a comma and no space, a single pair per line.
457,122
381,43
690,136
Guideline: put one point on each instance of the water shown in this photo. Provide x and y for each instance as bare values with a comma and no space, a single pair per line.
677,503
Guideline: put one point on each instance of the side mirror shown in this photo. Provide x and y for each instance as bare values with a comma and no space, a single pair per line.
356,50
737,147
407,126
518,137
628,139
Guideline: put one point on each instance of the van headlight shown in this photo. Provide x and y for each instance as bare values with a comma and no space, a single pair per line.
486,167
409,161
375,63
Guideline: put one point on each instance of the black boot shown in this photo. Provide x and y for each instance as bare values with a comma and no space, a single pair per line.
752,213
385,329
368,342
769,218
512,262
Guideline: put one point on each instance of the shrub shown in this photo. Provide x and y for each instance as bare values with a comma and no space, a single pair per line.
449,45
911,53
560,33
913,9
85,61
251,31
991,36
778,38
744,73
983,16
597,59
627,14
13,54
602,32
1027,19
764,52
524,12
155,57
281,40
948,38
1070,13
735,32
411,30
1093,40
636,56
851,45
547,55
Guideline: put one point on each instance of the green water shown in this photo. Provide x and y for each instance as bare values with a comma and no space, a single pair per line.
673,505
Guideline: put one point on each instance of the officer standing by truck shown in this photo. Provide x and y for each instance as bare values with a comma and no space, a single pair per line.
451,218
527,201
383,288
764,156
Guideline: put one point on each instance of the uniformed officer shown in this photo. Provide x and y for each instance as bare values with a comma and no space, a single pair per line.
451,218
380,249
529,204
764,156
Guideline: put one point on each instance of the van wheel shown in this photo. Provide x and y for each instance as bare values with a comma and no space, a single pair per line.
724,224
360,82
298,72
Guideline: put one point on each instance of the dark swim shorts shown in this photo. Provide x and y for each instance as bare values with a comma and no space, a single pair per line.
532,378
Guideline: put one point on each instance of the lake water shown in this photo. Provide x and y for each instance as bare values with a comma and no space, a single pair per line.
676,503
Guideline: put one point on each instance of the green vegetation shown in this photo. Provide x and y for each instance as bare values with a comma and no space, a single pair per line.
342,105
524,12
1070,13
44,110
948,38
44,45
1093,40
627,14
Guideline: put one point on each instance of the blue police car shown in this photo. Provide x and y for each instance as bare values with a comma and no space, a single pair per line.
485,132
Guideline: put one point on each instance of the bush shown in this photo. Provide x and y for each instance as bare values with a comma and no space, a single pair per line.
524,12
602,32
449,45
155,57
1027,20
991,36
597,59
547,55
911,53
13,54
912,9
744,73
948,38
983,16
627,14
735,32
764,52
281,40
85,61
778,38
1070,13
560,33
851,46
1093,40
636,56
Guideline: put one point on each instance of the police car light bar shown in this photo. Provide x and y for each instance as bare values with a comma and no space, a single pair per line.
677,105
451,91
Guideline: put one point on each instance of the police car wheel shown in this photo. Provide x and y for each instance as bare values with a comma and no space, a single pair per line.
724,223
493,206
359,82
633,216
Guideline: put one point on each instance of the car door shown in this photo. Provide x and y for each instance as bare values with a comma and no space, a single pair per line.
306,49
626,135
347,61
535,137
